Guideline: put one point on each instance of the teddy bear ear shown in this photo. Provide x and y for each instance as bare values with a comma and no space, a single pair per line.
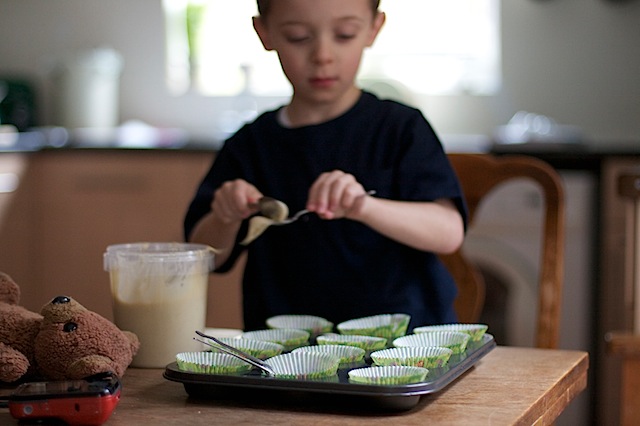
9,290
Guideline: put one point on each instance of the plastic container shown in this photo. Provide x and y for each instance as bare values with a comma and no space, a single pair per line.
159,293
88,87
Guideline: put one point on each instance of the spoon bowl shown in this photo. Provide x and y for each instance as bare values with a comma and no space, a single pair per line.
273,209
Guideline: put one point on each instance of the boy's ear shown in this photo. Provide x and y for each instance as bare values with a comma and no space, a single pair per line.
378,22
260,28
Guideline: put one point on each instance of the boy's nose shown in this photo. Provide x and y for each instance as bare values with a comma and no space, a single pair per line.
322,52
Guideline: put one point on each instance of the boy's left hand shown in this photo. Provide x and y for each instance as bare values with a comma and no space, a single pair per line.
335,195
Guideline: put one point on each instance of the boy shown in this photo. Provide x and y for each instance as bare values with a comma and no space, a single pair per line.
358,255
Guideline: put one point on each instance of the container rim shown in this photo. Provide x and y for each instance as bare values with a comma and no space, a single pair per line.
159,252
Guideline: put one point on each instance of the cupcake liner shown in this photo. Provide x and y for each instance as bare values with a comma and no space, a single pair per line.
453,340
258,348
368,343
211,363
388,375
475,331
346,354
312,324
388,326
417,356
289,338
304,365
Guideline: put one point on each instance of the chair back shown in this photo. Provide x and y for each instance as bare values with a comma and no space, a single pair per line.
479,174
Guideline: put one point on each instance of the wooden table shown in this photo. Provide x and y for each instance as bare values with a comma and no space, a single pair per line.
508,386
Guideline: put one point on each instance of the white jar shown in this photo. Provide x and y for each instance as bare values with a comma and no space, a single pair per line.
87,89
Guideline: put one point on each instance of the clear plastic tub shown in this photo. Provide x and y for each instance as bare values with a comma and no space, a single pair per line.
160,293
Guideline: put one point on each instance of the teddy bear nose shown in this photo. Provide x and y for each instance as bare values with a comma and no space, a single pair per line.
61,300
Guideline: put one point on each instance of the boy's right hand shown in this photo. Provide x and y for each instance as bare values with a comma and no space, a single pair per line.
235,201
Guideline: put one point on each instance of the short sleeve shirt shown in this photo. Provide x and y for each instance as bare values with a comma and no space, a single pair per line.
338,269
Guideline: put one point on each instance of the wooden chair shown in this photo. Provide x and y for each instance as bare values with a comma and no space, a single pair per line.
479,174
625,344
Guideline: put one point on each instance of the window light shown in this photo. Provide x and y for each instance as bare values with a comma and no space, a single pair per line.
427,46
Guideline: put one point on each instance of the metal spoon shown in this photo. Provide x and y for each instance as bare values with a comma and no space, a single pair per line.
274,213
273,209
302,213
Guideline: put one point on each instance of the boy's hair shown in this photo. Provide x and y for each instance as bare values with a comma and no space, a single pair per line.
265,5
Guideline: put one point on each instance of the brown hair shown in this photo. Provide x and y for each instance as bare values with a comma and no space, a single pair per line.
265,5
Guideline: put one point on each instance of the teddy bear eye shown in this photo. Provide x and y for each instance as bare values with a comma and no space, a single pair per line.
69,327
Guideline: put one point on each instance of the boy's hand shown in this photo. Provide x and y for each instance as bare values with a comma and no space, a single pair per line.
336,195
235,200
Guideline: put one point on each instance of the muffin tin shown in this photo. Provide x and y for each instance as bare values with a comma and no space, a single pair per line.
385,397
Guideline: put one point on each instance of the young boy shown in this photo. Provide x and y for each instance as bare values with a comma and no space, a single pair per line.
356,255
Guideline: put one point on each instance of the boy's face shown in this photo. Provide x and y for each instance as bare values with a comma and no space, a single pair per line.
319,43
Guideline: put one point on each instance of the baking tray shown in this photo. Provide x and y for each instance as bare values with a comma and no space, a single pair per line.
395,397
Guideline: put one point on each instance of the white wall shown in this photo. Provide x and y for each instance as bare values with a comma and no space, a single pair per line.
577,61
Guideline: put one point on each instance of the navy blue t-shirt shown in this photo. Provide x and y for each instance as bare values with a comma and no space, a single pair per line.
338,269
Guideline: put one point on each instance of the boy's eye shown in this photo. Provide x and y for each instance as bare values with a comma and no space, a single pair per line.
345,36
298,39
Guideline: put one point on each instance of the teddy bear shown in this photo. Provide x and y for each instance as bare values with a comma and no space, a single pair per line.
64,341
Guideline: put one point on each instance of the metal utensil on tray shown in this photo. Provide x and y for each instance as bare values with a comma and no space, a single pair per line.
228,349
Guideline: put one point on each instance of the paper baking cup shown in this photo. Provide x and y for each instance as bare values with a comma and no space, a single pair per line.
453,340
388,326
304,365
346,354
368,343
314,325
211,363
388,375
289,338
417,356
258,348
475,331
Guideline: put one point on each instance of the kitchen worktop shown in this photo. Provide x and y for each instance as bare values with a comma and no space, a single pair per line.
581,155
515,386
578,156
112,192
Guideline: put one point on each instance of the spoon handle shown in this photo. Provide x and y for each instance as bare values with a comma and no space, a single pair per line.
305,211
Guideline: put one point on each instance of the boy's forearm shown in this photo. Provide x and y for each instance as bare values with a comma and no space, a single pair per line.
213,232
429,226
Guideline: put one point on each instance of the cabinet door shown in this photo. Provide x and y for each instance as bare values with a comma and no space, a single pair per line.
16,215
87,200
71,205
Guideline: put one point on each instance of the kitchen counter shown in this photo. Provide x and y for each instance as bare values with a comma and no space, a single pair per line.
509,386
120,189
571,156
134,136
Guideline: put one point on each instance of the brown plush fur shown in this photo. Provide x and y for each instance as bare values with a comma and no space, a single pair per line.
64,341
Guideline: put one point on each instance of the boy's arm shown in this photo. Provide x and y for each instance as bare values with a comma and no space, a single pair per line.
213,232
430,226
233,202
